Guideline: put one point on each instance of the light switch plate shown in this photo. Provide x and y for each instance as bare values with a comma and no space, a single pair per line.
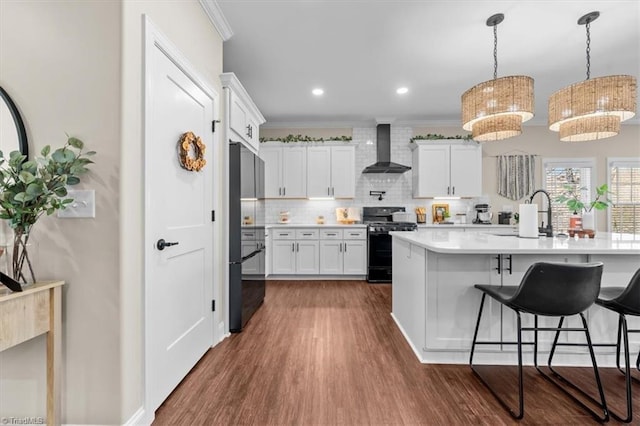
83,205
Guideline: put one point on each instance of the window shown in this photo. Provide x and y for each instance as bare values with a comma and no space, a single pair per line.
560,173
624,183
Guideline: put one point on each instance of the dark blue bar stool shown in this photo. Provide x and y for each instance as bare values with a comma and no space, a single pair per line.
624,301
547,289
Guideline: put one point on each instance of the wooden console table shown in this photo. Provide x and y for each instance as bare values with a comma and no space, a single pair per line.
27,314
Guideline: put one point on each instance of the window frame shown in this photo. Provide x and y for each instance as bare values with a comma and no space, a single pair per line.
619,161
570,162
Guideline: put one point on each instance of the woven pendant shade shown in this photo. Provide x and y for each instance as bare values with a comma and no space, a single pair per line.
593,109
491,109
497,128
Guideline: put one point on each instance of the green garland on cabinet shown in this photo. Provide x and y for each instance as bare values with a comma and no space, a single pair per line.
300,138
435,136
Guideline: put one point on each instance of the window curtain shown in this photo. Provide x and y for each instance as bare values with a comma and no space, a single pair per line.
516,175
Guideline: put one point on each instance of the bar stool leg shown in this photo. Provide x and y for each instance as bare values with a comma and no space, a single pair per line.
624,334
517,415
602,403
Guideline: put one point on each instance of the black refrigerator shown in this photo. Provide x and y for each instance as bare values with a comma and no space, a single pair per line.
246,235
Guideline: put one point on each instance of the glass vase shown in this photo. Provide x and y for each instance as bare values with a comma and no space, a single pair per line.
19,258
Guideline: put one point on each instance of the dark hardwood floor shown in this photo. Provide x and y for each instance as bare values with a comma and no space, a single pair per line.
328,352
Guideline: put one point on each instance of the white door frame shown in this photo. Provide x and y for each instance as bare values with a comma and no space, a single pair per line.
153,39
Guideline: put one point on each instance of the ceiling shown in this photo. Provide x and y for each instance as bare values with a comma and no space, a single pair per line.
361,51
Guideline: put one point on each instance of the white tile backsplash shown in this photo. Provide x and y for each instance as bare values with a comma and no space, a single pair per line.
396,186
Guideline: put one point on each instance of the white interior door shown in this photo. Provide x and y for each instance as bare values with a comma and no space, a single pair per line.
179,278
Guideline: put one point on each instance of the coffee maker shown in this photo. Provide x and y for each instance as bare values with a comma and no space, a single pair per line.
483,215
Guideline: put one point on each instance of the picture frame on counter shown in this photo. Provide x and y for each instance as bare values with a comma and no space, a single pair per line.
440,212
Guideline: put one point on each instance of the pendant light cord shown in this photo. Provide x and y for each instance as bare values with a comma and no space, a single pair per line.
495,52
588,24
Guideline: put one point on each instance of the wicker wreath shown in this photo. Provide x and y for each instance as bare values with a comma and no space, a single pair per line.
191,144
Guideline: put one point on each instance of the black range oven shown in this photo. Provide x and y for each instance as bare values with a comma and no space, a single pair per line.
379,224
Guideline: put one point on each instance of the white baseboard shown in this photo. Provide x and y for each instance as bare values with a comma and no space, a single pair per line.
406,337
139,419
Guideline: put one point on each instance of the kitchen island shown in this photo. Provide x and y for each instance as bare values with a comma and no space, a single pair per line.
435,304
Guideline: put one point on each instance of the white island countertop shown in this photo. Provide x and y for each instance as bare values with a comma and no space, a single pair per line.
457,241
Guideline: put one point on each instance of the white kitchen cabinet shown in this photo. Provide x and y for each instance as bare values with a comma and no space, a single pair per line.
243,117
343,252
355,257
331,171
285,171
446,169
295,251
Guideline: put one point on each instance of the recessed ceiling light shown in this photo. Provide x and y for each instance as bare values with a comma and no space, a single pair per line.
317,92
402,90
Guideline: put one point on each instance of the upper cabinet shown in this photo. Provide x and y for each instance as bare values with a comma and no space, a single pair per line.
285,171
243,116
331,171
445,169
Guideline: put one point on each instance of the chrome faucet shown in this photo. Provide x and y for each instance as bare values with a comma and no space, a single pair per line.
547,230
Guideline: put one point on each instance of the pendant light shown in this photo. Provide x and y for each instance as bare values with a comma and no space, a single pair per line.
495,109
594,108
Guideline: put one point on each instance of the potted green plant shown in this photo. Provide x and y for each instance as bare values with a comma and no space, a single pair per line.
571,197
31,188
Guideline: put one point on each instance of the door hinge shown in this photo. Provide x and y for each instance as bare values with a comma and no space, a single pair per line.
213,125
213,215
213,305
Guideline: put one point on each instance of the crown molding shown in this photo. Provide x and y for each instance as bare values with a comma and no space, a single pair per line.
213,11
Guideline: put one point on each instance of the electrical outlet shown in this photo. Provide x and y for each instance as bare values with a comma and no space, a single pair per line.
83,205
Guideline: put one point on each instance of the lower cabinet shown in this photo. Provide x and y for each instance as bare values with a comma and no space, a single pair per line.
313,251
295,251
343,252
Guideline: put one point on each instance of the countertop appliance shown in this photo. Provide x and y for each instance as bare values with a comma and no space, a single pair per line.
380,222
483,215
246,237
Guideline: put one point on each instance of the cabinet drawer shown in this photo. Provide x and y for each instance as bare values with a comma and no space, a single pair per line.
356,234
307,234
249,235
331,234
284,234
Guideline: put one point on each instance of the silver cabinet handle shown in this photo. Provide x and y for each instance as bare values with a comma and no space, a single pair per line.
345,247
454,191
297,247
328,191
448,190
333,191
293,246
331,234
340,249
284,190
307,234
279,191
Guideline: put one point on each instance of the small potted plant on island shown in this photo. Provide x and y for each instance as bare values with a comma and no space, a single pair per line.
30,188
571,197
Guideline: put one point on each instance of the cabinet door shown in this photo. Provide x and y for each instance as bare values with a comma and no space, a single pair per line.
319,171
331,257
466,170
355,257
307,257
253,134
238,117
343,171
294,172
283,257
272,158
432,174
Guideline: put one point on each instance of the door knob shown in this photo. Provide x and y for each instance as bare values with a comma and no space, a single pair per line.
161,244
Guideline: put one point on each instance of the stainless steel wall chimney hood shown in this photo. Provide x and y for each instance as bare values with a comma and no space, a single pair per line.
383,162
